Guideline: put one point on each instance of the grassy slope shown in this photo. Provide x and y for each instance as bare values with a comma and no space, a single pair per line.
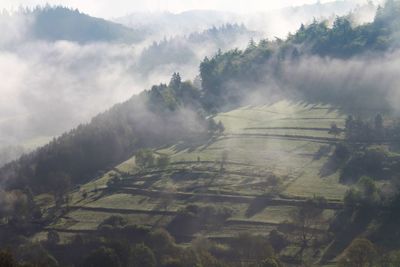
262,141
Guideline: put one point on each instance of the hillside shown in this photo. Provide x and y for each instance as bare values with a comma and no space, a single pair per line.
272,166
285,153
268,162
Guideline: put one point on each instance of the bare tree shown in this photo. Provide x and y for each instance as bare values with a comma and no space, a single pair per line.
306,220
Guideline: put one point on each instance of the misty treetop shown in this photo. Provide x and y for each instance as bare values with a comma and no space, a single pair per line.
190,49
268,64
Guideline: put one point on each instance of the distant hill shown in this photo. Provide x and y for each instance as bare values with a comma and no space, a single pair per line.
61,23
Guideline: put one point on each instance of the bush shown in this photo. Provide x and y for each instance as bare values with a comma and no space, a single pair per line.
161,241
114,180
277,240
36,255
114,221
143,256
7,259
163,161
144,158
53,237
270,262
102,257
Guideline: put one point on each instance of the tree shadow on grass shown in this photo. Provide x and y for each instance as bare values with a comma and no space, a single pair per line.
330,167
257,205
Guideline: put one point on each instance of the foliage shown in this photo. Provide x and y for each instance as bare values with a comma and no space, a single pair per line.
7,259
307,218
163,161
277,240
191,219
102,257
114,180
114,221
144,158
271,262
36,255
254,247
53,237
360,253
335,130
371,162
225,74
143,256
215,128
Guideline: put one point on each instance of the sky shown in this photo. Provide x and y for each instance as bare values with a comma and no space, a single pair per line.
118,8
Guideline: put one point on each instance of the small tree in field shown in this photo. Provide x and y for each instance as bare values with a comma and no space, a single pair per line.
60,184
220,127
334,130
306,220
144,158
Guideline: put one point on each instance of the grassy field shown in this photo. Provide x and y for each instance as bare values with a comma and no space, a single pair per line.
272,149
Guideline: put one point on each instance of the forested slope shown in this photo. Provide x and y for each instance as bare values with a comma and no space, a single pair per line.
308,64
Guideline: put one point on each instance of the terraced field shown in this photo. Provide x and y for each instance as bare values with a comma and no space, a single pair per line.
275,153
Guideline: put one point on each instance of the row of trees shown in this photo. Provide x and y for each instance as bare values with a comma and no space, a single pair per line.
364,131
18,208
359,130
119,243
